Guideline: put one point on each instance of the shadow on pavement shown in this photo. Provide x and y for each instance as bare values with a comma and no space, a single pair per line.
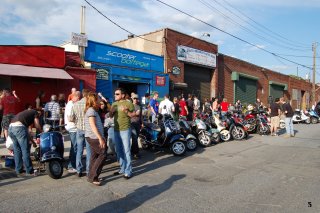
137,197
149,163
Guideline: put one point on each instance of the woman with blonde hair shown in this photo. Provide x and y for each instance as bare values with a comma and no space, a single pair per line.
95,137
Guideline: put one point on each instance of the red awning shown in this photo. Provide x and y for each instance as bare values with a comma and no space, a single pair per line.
37,72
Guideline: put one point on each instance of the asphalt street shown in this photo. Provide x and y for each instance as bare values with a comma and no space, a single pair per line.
261,174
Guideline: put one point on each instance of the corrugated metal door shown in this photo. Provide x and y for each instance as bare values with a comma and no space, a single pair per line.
276,91
246,90
198,80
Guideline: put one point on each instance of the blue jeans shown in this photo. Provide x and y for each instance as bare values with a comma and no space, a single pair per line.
21,148
73,150
289,126
81,143
123,149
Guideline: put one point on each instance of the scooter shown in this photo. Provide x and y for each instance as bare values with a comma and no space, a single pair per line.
299,116
186,131
50,151
314,116
224,133
199,128
164,134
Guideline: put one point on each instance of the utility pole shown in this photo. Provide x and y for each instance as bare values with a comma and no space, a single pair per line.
297,71
314,49
82,31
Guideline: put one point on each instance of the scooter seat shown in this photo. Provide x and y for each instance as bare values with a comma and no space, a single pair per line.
152,126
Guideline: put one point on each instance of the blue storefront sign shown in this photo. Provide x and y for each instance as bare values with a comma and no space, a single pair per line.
135,71
109,54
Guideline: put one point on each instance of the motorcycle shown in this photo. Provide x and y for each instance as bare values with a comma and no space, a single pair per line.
163,134
256,122
50,151
199,128
300,116
237,130
187,133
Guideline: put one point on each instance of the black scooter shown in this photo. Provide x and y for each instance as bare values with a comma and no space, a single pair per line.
163,134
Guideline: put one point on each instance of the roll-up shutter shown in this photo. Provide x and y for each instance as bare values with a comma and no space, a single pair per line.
198,80
276,91
246,90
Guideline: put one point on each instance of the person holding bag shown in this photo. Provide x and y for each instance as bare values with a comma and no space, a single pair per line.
95,137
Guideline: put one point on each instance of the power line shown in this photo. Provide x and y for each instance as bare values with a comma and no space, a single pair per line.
297,56
113,22
261,26
212,7
236,37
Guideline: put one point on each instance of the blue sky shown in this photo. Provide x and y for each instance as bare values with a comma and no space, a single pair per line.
287,27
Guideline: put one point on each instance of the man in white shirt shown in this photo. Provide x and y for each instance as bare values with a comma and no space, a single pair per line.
72,129
196,104
166,106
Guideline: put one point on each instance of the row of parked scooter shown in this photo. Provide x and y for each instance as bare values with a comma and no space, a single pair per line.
177,136
207,129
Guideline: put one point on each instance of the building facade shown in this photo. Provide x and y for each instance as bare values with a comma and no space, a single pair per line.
134,71
188,62
31,69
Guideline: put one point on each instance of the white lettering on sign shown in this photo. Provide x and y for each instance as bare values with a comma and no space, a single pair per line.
121,55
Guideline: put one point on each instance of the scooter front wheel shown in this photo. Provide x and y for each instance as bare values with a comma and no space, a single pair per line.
191,144
178,148
225,135
282,125
54,169
204,139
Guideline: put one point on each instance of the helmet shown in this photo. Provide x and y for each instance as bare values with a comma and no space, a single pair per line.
250,107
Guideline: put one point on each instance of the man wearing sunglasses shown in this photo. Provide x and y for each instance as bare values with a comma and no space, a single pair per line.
122,111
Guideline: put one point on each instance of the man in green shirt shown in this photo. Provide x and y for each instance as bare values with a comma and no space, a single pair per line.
122,110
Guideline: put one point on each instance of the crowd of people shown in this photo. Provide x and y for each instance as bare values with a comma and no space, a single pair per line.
84,115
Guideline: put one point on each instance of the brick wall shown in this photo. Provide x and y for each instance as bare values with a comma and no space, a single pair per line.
173,39
227,65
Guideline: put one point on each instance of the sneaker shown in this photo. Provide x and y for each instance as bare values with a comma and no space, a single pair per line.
117,173
20,176
287,136
127,176
72,170
31,175
292,135
78,174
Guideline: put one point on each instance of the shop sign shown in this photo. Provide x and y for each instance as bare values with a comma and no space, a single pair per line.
124,78
79,39
160,80
196,56
108,54
175,70
103,74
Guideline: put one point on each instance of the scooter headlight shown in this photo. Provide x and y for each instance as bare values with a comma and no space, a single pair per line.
46,128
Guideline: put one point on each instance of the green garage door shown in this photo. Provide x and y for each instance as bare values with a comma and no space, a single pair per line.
246,90
276,91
